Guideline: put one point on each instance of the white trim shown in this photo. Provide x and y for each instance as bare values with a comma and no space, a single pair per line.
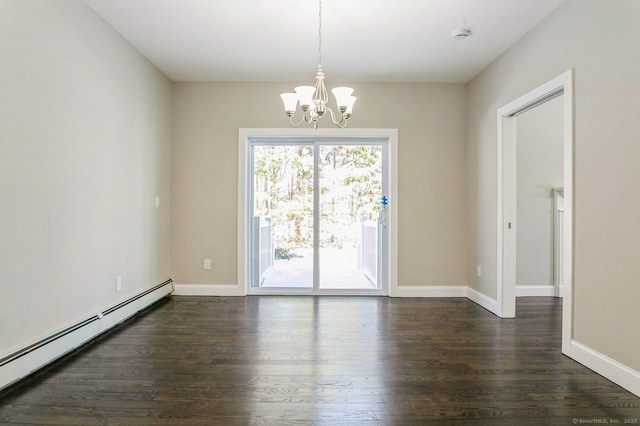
430,291
37,358
275,291
483,300
506,169
209,290
390,270
558,242
567,279
535,290
244,153
605,366
390,138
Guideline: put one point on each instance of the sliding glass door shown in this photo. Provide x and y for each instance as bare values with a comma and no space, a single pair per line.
316,216
350,189
282,231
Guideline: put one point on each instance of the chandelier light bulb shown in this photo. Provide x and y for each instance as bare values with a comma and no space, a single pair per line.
305,96
290,102
342,95
350,102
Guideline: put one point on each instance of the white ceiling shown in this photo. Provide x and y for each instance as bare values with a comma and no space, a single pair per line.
363,40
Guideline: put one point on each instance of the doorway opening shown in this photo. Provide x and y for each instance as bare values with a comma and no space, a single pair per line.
507,198
317,211
540,200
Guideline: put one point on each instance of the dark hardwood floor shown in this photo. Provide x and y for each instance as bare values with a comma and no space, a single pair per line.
323,360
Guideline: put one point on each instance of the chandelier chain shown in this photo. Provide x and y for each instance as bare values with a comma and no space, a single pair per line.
320,33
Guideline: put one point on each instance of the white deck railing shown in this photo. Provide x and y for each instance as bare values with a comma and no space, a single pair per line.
263,250
368,253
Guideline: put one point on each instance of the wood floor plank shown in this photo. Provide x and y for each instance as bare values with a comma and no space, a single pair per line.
273,360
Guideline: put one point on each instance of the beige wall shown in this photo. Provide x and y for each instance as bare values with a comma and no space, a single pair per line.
599,40
539,159
430,119
84,149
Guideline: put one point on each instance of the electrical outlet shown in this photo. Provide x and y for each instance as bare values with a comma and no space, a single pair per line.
207,264
157,202
479,271
118,283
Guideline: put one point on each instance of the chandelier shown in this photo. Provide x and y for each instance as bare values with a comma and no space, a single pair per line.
313,99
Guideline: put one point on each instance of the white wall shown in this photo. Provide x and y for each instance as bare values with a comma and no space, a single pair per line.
598,39
84,149
430,119
539,157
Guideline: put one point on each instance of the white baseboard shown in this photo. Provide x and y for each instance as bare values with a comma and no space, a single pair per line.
33,357
429,291
483,300
396,291
535,290
607,367
208,290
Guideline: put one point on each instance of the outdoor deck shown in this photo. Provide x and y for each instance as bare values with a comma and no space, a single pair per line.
338,270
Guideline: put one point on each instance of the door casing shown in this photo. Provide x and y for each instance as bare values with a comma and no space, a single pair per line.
506,209
388,138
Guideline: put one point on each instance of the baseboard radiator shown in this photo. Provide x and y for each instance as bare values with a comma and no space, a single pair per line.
27,360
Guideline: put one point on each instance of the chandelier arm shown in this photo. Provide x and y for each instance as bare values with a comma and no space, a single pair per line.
303,119
310,116
340,123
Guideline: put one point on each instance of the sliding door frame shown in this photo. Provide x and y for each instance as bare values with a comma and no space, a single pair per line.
387,138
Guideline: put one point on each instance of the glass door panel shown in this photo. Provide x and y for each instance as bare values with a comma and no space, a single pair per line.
350,190
283,216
